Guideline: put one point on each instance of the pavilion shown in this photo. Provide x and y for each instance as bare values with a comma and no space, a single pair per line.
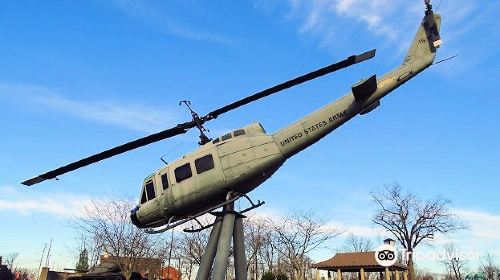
361,263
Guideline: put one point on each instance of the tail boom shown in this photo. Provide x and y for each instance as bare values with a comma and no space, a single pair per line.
365,96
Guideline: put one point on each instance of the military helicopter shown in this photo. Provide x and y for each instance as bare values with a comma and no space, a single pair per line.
240,161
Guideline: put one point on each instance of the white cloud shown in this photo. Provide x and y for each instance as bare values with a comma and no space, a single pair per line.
385,17
365,231
166,23
134,116
483,225
393,21
57,204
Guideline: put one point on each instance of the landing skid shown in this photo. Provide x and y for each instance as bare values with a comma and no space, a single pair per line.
228,225
231,198
221,213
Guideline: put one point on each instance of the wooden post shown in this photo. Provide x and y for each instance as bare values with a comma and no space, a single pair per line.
339,274
44,274
317,274
387,274
362,274
405,275
397,274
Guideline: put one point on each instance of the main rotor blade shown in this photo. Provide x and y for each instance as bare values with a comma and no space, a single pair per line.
179,129
351,60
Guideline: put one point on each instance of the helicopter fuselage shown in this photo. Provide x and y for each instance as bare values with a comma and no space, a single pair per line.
242,161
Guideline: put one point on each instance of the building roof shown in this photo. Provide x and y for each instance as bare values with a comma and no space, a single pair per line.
354,262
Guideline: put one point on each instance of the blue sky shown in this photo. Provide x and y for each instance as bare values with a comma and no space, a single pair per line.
78,77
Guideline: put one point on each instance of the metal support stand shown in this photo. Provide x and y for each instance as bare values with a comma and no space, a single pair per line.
228,225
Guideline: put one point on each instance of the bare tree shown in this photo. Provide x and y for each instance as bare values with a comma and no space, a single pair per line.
354,243
411,220
107,225
299,234
489,268
455,266
9,260
5,272
190,250
269,253
257,235
25,274
421,274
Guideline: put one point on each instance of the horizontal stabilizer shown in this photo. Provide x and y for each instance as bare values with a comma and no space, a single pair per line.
365,88
370,108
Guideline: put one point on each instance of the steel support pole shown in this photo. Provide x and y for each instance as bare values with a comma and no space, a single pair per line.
226,234
240,260
210,250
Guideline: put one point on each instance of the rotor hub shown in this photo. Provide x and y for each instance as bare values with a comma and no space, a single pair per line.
198,122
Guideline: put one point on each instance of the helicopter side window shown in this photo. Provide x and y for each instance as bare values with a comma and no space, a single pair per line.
226,136
239,132
143,197
164,181
150,190
204,164
216,140
183,172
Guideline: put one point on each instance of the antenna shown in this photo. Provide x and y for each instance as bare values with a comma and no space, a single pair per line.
47,260
171,150
446,59
41,260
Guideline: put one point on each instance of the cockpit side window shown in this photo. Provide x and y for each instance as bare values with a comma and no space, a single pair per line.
183,172
150,190
164,181
239,132
204,164
143,197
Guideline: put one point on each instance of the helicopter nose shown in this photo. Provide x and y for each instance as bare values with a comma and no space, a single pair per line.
134,219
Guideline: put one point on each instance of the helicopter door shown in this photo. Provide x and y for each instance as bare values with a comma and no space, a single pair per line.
182,182
166,197
208,171
152,204
194,178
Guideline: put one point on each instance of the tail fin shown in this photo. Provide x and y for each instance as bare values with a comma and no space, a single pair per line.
427,39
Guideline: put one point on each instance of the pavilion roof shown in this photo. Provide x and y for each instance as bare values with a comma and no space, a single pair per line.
354,262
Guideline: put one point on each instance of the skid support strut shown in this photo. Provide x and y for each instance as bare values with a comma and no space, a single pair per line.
228,225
